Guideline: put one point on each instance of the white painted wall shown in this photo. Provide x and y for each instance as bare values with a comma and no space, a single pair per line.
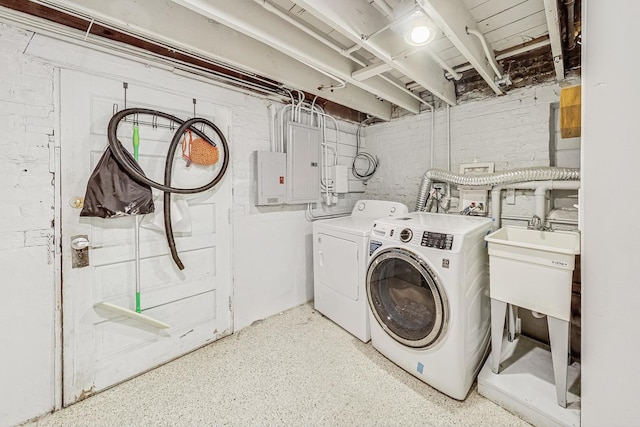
511,131
27,290
271,246
611,231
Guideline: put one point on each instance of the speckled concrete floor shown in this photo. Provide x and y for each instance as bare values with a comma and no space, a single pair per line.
293,369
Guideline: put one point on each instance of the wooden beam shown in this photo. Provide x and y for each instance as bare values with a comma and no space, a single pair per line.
251,19
553,23
370,71
208,39
453,18
362,24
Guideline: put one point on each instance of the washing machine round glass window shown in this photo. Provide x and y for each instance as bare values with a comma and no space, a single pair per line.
406,298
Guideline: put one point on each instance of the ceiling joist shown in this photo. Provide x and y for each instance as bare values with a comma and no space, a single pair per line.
553,23
453,18
361,23
354,53
254,21
208,39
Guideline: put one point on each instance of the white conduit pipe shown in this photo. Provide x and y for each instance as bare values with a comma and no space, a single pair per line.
448,138
314,109
450,70
344,52
492,60
432,148
540,192
448,196
492,179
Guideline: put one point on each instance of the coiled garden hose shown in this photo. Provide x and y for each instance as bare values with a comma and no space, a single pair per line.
131,168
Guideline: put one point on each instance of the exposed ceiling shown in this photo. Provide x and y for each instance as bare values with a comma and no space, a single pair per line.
350,52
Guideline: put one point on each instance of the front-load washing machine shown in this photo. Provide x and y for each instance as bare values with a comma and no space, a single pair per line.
428,295
340,249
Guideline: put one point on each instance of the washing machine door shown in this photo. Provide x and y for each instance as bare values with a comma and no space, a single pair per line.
406,298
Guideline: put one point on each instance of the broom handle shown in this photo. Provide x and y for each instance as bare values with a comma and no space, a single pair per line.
138,308
136,144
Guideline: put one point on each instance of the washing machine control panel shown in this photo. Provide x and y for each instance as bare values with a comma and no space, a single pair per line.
437,240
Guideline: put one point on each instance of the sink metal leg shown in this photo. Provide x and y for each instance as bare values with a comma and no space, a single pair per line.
512,322
559,338
498,312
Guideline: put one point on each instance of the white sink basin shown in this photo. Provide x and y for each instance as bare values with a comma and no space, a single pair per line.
563,242
533,269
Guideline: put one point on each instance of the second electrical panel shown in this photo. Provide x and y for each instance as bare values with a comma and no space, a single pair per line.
303,163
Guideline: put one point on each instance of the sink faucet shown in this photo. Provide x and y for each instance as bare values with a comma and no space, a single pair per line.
536,224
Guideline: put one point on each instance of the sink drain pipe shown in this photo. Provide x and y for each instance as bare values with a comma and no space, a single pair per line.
541,188
509,176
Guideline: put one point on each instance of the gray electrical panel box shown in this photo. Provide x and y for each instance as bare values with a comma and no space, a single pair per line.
271,169
303,163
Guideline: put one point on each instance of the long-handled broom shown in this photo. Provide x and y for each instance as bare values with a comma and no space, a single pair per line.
137,314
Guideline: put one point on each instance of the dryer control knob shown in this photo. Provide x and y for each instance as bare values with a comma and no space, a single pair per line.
406,235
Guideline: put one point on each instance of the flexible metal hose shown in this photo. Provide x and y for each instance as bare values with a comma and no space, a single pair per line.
491,179
132,168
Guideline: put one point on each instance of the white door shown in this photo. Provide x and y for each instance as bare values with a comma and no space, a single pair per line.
102,348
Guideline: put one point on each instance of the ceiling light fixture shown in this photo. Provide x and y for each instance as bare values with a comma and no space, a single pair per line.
420,34
418,30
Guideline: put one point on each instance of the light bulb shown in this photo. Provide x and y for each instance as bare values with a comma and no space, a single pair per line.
420,34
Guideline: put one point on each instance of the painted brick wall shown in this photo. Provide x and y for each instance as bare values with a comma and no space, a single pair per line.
27,117
27,122
512,131
26,214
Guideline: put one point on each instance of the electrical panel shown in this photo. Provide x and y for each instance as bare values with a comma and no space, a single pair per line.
271,169
303,163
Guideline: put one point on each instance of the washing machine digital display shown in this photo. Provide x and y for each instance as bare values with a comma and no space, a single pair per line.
437,240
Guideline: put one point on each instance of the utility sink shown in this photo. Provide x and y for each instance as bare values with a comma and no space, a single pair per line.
533,268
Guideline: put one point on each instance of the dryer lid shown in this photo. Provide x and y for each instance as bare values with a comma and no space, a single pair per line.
443,223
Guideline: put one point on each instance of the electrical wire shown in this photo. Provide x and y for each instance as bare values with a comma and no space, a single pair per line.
372,162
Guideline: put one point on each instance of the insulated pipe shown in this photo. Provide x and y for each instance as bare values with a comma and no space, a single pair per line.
571,38
540,187
492,60
492,179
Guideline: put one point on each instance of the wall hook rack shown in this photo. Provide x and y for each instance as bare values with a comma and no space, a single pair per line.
154,118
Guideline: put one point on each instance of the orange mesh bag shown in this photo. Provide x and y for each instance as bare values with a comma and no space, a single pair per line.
199,151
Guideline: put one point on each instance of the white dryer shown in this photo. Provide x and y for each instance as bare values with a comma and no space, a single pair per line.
428,295
340,249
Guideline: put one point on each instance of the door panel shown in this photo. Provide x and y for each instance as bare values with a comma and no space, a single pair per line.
102,348
339,265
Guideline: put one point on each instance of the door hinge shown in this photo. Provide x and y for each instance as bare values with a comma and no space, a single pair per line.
229,302
229,216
